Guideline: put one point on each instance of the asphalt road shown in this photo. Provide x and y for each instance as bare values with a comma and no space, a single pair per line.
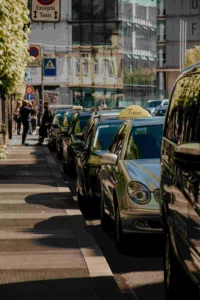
139,269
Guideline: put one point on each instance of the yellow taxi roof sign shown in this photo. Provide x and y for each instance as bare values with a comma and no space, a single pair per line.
77,107
134,112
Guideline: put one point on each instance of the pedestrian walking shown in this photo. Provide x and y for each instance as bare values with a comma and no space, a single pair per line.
46,121
17,117
34,118
26,112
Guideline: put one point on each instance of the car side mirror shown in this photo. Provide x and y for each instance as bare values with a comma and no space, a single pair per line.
109,159
188,154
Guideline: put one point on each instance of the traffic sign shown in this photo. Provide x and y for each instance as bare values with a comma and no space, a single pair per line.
35,51
29,89
45,10
50,67
30,97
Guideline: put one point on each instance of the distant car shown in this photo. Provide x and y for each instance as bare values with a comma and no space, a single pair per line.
160,110
73,134
56,123
73,148
60,134
88,162
130,179
180,188
151,105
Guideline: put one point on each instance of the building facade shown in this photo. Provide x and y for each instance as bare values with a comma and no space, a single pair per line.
105,52
170,12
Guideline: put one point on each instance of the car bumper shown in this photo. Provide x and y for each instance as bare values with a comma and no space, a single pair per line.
135,221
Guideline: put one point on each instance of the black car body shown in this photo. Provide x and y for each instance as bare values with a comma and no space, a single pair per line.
60,134
73,149
88,161
180,186
74,133
56,124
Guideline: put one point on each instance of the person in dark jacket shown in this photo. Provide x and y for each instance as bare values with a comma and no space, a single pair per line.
46,121
26,111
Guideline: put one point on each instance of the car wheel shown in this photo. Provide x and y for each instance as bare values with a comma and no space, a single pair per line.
118,230
103,216
71,169
176,280
59,154
65,168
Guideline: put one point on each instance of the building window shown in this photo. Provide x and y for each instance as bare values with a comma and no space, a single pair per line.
161,57
161,5
85,68
96,67
77,66
161,31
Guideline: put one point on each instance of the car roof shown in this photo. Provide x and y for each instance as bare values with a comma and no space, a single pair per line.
109,121
148,121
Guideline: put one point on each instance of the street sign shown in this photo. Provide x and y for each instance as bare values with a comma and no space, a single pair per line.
29,89
30,97
35,51
50,67
45,10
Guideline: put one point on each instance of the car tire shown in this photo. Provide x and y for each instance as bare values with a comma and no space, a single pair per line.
59,154
65,168
71,169
176,281
103,216
119,238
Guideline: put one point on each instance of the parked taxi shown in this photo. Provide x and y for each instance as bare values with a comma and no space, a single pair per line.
130,177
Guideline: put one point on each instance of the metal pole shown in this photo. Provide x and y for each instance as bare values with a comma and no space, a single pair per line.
185,40
183,43
180,43
42,86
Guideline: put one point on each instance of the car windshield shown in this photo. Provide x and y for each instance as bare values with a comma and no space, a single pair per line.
152,104
104,136
58,119
68,118
144,142
81,122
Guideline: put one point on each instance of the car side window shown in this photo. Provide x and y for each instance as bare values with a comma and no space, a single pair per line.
116,147
183,125
89,138
72,123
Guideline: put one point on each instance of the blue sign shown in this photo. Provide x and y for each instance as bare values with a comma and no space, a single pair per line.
30,97
50,67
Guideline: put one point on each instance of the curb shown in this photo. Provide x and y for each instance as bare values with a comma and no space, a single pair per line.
100,273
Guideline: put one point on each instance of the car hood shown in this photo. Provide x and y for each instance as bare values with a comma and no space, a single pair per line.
146,171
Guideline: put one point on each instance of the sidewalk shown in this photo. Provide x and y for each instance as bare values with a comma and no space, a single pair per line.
47,251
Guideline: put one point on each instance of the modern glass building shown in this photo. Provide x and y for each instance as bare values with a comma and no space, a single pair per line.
113,58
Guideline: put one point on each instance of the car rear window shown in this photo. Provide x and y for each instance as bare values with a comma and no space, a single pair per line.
104,136
144,142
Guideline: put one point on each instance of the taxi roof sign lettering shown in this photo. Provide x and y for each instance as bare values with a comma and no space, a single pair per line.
134,112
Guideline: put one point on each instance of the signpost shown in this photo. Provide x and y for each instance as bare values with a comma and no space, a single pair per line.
50,67
45,10
35,51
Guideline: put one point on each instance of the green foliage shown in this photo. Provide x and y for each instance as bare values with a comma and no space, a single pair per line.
14,55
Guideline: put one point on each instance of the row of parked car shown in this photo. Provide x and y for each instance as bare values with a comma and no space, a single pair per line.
144,175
